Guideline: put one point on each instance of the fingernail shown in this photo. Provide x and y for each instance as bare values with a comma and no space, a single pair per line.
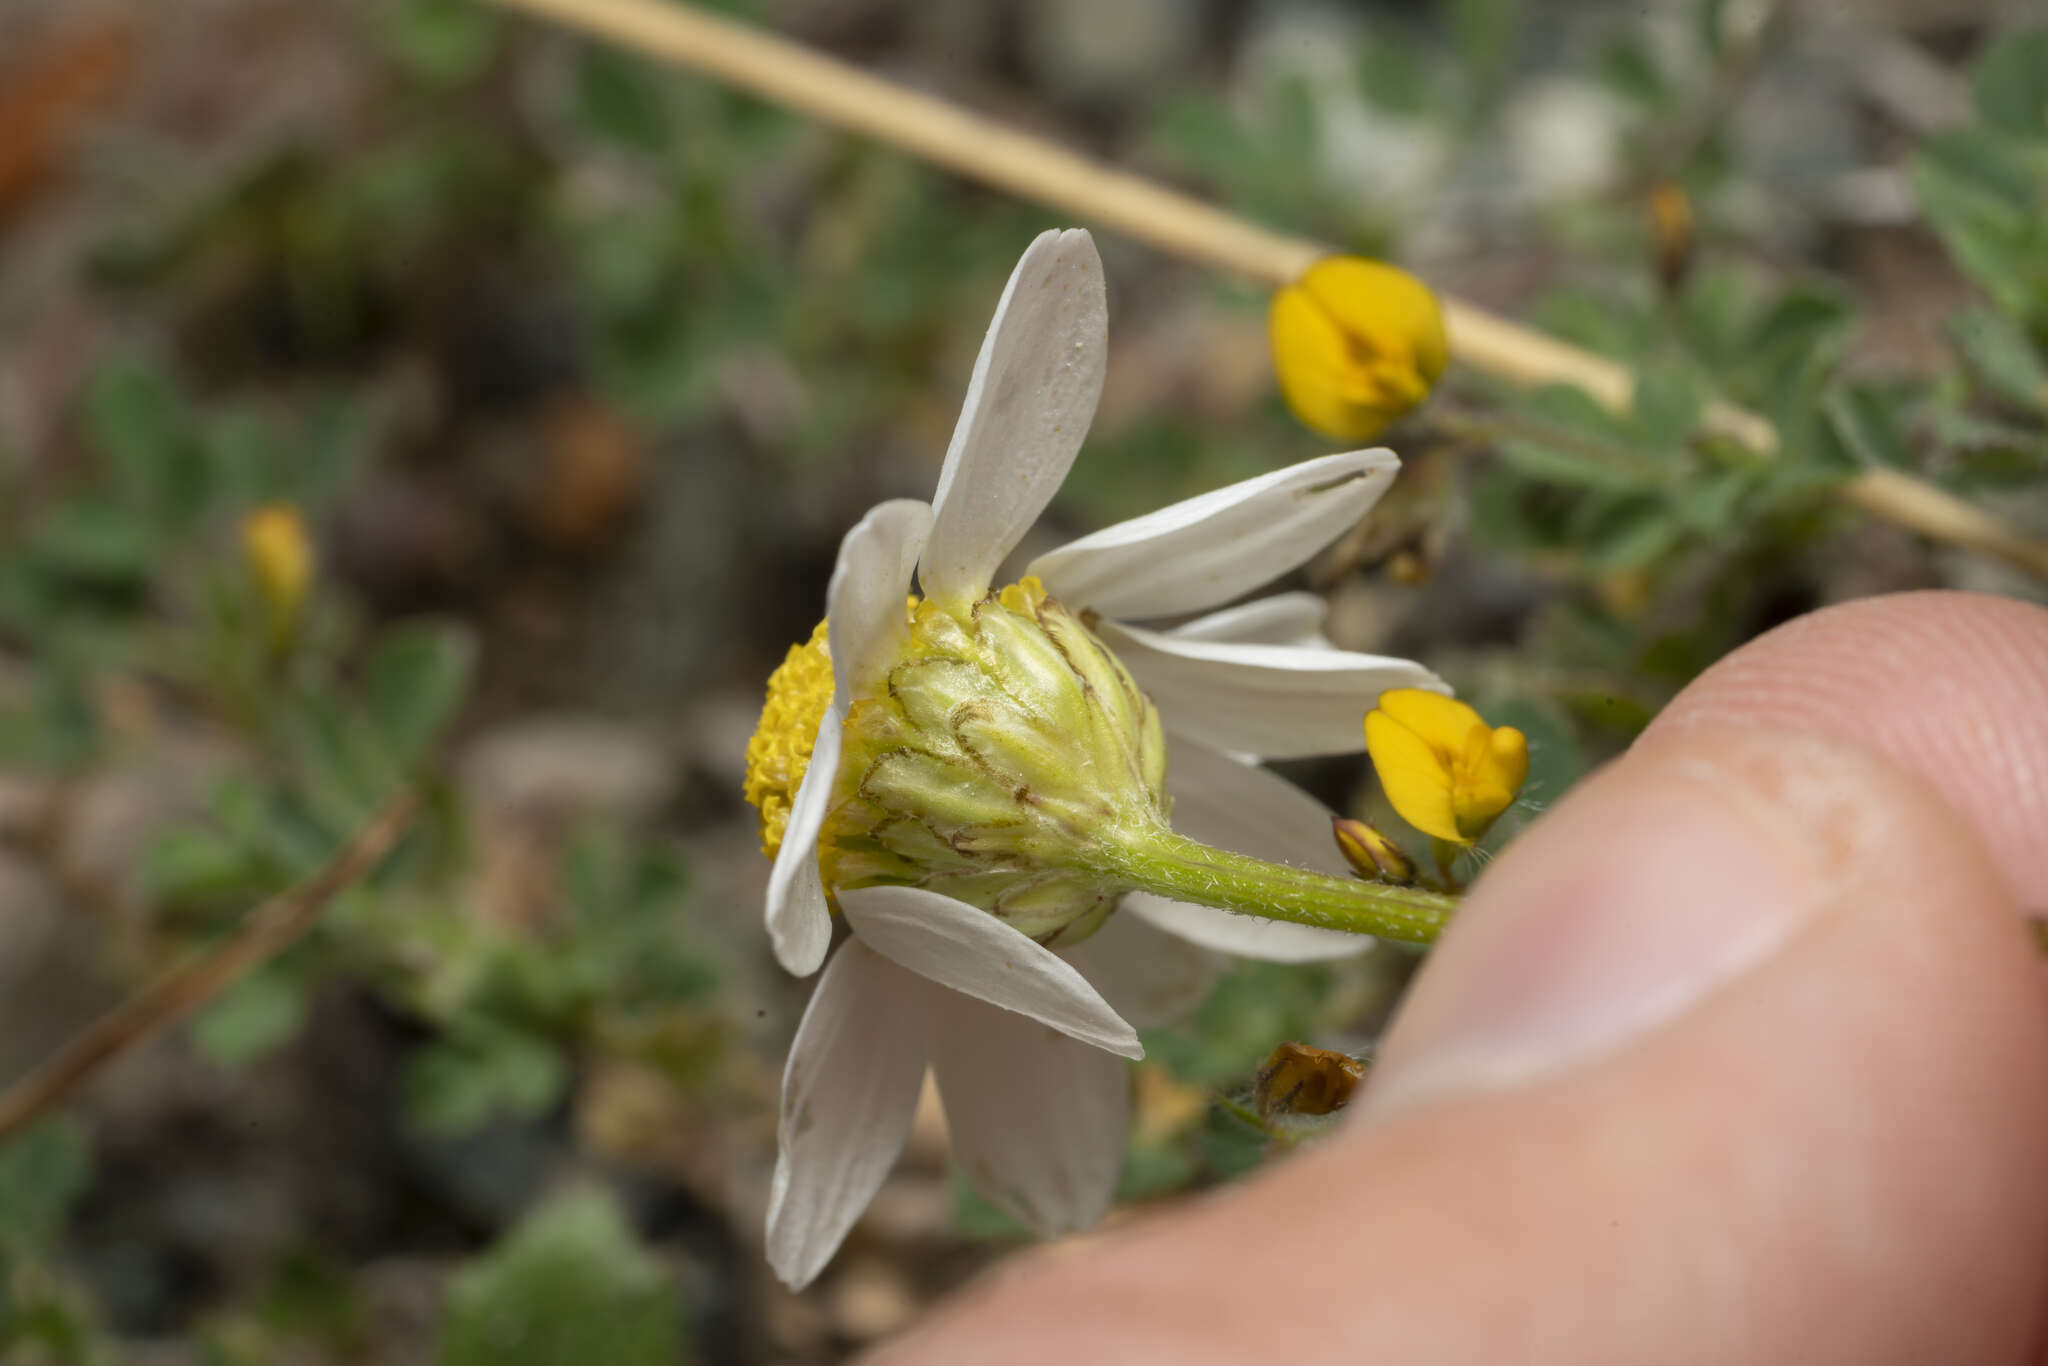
1657,883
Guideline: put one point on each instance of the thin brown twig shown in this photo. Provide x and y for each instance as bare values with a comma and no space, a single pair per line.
268,929
1033,169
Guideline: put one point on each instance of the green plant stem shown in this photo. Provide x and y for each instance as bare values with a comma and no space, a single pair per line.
1185,870
1446,854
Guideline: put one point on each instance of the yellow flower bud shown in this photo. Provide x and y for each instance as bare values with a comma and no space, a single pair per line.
1446,771
1671,231
1356,344
280,558
1298,1079
1371,855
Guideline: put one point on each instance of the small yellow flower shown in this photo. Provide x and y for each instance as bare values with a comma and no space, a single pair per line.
1356,344
1446,771
279,554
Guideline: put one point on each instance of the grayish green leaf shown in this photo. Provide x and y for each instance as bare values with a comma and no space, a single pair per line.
2000,355
570,1286
254,1017
2011,85
418,675
444,42
43,1170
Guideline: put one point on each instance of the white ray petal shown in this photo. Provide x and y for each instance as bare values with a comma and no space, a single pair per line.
848,1095
974,953
1037,1119
1279,619
1209,549
1029,404
865,600
1247,810
799,923
1150,978
1284,702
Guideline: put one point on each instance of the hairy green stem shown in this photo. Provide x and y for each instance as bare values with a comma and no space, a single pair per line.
1174,866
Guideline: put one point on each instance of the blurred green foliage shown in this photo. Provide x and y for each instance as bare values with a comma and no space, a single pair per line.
570,1285
43,1317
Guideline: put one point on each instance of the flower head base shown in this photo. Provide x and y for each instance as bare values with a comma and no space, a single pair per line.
1005,746
1356,343
799,691
1446,771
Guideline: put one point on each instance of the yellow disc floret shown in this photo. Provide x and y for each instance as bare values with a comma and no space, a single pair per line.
1444,769
799,691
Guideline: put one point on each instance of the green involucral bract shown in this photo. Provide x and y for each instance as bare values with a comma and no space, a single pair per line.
1007,744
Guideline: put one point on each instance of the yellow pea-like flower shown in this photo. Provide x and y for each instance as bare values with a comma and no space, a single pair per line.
279,554
1446,771
1356,343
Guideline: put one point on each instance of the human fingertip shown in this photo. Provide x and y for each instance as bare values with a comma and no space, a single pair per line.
1660,881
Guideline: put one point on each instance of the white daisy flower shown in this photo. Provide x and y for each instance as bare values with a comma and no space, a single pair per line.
955,745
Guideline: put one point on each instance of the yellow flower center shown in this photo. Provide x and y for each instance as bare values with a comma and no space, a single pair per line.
799,691
1446,771
1356,343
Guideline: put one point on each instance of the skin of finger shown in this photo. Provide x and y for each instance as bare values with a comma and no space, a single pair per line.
1832,1159
1951,686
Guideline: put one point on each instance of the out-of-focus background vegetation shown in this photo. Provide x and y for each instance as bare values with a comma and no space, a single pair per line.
574,370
